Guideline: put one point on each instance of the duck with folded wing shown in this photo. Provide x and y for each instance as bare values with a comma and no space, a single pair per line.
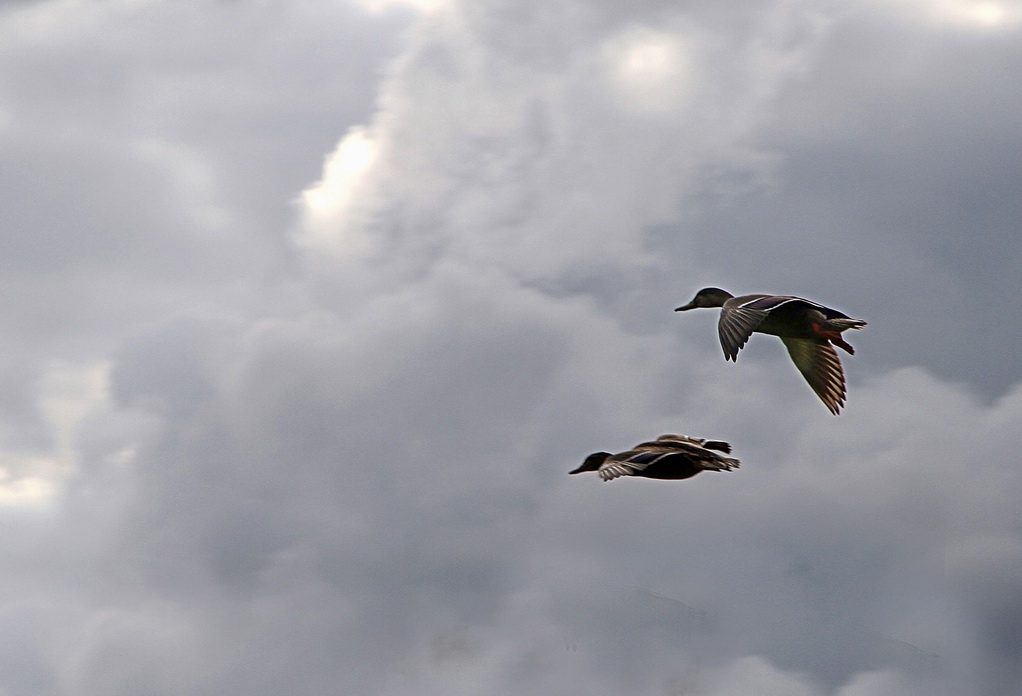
667,457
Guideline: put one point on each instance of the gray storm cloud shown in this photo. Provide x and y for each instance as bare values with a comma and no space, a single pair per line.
304,336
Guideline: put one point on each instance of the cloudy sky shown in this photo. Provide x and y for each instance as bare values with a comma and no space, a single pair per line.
309,308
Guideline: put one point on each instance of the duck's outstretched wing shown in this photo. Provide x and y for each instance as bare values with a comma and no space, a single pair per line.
735,325
740,316
819,364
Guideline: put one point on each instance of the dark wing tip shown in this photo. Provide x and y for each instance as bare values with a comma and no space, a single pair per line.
718,445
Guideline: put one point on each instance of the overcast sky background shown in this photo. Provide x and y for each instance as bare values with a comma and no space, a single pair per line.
309,308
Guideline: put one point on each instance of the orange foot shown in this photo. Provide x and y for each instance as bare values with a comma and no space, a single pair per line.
832,336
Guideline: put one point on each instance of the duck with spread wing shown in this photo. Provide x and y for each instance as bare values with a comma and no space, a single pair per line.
809,331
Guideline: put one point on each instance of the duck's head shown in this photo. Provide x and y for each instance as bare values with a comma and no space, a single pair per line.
707,297
593,462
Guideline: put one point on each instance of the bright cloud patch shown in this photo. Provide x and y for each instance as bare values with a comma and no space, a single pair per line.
965,14
352,477
978,14
328,223
649,69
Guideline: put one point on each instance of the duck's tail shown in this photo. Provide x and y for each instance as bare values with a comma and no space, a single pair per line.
845,324
718,445
721,464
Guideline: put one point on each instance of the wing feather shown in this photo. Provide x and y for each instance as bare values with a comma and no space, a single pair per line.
819,364
673,443
627,463
735,326
691,444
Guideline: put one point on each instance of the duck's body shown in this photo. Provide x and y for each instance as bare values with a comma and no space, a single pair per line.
808,330
668,457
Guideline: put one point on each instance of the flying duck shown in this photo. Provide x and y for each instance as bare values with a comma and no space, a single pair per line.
667,457
808,330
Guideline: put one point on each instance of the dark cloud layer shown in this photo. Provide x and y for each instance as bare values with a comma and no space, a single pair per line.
277,420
